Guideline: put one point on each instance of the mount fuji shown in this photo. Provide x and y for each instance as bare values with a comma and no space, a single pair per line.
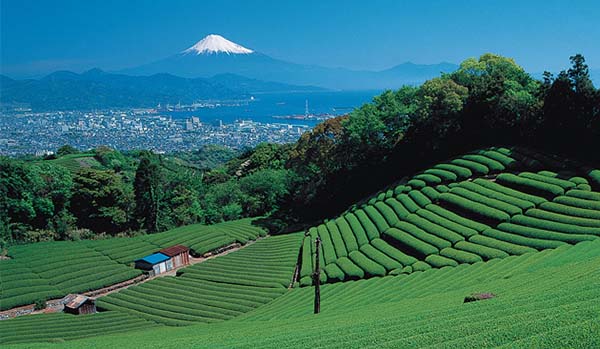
214,55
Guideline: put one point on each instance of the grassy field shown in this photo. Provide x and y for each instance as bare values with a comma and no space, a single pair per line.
53,269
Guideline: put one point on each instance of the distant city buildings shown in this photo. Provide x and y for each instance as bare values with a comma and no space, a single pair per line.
25,132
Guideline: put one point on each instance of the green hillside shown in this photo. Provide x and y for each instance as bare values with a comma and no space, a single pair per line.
517,224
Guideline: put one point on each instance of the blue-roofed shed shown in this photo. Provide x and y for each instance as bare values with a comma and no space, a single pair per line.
154,264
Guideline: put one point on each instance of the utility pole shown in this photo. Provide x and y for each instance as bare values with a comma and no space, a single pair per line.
316,277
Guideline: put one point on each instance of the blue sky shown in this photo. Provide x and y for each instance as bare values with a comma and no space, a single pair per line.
41,36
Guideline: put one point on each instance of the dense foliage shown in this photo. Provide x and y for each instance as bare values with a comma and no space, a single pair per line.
489,100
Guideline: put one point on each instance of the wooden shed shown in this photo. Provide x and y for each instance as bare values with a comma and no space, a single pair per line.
179,254
79,304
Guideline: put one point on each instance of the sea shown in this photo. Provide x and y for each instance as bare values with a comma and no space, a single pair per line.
271,107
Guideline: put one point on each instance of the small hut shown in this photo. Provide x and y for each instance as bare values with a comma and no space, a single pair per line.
79,304
179,254
153,264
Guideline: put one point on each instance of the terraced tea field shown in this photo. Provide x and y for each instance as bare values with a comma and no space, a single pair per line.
53,269
396,268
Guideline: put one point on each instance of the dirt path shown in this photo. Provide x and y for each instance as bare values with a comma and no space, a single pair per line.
56,305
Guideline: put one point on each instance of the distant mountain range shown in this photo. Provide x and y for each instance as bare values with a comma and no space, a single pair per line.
96,89
216,55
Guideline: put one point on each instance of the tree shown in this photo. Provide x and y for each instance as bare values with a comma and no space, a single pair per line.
148,191
66,150
100,201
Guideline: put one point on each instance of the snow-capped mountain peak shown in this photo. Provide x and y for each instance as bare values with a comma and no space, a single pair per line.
214,43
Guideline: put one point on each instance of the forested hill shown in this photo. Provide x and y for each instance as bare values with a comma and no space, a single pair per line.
487,101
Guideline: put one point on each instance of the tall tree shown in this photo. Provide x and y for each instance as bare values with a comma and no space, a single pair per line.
148,191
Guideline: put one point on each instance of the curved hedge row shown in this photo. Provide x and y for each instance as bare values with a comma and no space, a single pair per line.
387,212
486,252
365,221
451,216
508,247
475,167
393,253
570,211
460,171
480,210
550,180
487,201
561,218
538,244
349,268
577,202
347,235
538,233
491,164
583,194
416,183
505,160
437,261
357,228
410,241
460,256
595,177
533,222
508,191
334,272
427,178
423,235
419,198
431,193
398,208
446,223
328,250
379,257
366,264
444,175
434,229
336,238
530,186
408,203
476,188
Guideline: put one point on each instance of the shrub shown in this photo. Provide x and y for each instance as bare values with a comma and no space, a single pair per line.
556,226
377,218
429,179
420,266
460,256
336,238
476,188
350,269
538,233
530,186
510,248
446,223
307,255
451,216
487,201
475,208
328,250
365,221
444,175
387,213
401,189
416,184
393,253
408,203
438,261
423,235
366,264
585,187
442,189
538,244
347,235
357,229
508,162
460,171
570,211
491,164
400,210
419,198
550,180
379,257
410,241
389,194
475,167
595,178
508,191
485,252
561,218
583,194
578,180
39,304
577,202
434,229
431,193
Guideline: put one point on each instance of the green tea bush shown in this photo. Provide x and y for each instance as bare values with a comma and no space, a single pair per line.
508,191
550,180
347,234
444,175
377,218
475,208
538,244
416,183
460,256
451,216
336,238
365,221
552,217
393,253
509,248
446,223
438,261
398,208
410,241
577,202
534,222
479,189
434,229
475,167
423,235
380,258
387,212
369,266
530,186
419,198
491,164
460,171
428,178
357,229
570,210
538,233
431,193
350,269
487,201
408,203
483,251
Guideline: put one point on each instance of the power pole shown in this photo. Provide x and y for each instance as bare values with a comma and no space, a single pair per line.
316,277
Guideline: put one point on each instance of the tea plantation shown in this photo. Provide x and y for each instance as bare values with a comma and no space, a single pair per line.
519,226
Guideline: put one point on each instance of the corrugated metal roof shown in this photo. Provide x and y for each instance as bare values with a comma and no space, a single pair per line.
155,258
174,250
76,302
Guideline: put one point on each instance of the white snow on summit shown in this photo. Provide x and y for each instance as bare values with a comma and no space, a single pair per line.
217,44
